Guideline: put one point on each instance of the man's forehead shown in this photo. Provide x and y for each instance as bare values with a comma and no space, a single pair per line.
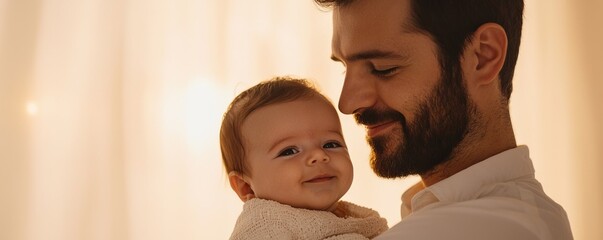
368,33
371,13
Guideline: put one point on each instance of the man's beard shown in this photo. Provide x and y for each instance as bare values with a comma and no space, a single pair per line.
441,123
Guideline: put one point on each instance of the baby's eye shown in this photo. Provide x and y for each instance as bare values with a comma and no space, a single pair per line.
332,145
287,152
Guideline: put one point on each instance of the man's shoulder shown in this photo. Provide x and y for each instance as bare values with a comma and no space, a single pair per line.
490,217
460,221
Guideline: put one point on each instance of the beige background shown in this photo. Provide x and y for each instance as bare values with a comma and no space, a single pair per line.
110,109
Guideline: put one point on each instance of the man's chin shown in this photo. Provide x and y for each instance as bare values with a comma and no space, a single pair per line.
388,166
397,164
384,158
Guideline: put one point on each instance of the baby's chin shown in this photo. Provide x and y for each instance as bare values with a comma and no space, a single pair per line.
320,202
328,206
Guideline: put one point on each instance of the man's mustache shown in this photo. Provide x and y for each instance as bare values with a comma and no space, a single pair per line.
372,116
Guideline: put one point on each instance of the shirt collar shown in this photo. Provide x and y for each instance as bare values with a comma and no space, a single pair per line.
465,185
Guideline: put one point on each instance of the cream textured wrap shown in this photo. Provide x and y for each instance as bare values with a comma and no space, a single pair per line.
266,219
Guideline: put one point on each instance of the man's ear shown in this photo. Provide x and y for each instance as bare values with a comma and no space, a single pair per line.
485,55
240,185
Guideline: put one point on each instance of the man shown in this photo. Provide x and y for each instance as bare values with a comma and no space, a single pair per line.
431,81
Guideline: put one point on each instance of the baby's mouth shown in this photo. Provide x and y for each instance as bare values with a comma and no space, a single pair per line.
320,178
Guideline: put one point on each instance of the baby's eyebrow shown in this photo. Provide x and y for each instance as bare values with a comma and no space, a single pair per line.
336,132
277,142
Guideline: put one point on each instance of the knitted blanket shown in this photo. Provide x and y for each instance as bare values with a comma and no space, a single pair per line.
266,219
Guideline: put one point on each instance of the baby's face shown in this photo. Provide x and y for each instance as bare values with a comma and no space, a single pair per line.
297,155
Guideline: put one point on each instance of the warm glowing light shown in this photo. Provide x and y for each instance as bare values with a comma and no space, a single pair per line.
204,95
32,108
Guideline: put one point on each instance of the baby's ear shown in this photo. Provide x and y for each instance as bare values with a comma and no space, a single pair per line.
240,185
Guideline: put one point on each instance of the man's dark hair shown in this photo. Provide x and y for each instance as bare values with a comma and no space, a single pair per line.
451,24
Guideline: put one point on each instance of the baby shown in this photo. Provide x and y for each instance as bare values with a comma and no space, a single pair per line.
284,152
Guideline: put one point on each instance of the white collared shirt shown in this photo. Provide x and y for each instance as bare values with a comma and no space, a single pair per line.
498,198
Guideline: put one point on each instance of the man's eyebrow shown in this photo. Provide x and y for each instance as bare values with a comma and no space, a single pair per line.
371,54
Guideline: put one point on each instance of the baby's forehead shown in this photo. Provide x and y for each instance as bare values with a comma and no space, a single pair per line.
311,100
315,113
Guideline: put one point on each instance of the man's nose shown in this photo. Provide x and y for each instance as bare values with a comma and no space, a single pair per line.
357,93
